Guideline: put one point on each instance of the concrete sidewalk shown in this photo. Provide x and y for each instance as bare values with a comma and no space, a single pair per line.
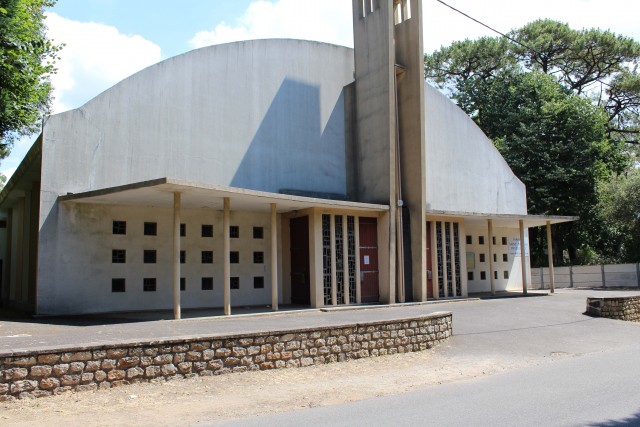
547,320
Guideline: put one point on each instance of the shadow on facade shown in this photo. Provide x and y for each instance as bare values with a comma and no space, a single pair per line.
274,160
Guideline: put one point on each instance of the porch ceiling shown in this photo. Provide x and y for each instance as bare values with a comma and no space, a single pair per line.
503,220
194,195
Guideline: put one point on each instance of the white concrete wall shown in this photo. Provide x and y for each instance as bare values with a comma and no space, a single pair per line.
513,264
464,171
265,115
588,276
80,279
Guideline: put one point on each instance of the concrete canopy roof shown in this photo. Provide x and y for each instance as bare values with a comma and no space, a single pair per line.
504,220
159,193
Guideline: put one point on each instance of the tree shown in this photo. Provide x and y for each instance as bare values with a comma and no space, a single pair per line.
562,108
595,63
27,60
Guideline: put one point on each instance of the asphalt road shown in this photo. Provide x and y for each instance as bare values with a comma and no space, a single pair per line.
579,371
601,389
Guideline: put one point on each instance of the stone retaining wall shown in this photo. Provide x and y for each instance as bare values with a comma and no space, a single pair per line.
46,372
621,308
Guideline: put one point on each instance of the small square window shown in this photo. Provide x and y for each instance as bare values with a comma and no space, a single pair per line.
483,275
495,275
150,256
234,231
149,284
493,240
117,285
150,229
207,230
183,257
234,257
504,241
495,257
235,283
119,227
258,257
183,284
505,257
258,232
469,275
183,230
207,283
207,257
482,258
118,256
505,274
469,240
3,223
258,282
481,240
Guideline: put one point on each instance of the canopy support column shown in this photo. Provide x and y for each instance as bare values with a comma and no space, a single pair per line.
226,249
550,255
523,258
177,312
274,259
490,240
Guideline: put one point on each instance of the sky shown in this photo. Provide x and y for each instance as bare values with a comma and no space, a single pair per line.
106,41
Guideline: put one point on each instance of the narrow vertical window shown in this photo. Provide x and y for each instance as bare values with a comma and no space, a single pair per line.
234,231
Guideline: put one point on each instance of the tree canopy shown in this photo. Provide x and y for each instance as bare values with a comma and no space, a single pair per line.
598,64
563,108
27,60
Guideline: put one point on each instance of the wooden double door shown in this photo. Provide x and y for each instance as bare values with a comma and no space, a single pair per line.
299,252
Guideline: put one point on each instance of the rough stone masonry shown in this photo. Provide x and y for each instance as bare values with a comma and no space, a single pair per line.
46,372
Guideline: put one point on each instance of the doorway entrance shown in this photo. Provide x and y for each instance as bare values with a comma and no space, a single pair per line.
299,247
369,280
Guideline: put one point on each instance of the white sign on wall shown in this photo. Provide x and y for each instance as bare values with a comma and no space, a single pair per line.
514,246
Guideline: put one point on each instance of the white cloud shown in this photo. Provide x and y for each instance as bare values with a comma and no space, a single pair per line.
328,21
95,57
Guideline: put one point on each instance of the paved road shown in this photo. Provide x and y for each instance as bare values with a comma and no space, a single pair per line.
486,320
600,389
578,371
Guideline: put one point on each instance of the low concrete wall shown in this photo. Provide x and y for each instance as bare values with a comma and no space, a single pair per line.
45,372
588,276
621,308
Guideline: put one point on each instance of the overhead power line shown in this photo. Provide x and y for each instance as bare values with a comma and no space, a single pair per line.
503,34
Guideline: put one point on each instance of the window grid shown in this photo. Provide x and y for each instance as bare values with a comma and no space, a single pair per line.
207,230
258,282
234,257
258,232
149,284
118,285
150,229
234,231
119,227
258,257
235,283
207,283
207,257
118,256
150,256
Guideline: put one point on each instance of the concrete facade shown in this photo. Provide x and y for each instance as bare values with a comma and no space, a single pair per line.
258,134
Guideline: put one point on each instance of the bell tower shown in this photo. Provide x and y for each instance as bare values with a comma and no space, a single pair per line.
389,130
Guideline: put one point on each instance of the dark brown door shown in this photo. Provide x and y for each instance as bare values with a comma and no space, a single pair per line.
299,243
429,263
369,260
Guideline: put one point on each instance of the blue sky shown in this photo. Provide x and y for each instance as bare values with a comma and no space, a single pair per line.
108,40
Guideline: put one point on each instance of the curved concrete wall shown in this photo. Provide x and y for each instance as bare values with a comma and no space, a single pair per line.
264,115
465,172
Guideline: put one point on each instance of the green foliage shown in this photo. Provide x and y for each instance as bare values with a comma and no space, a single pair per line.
619,210
596,63
27,59
563,108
